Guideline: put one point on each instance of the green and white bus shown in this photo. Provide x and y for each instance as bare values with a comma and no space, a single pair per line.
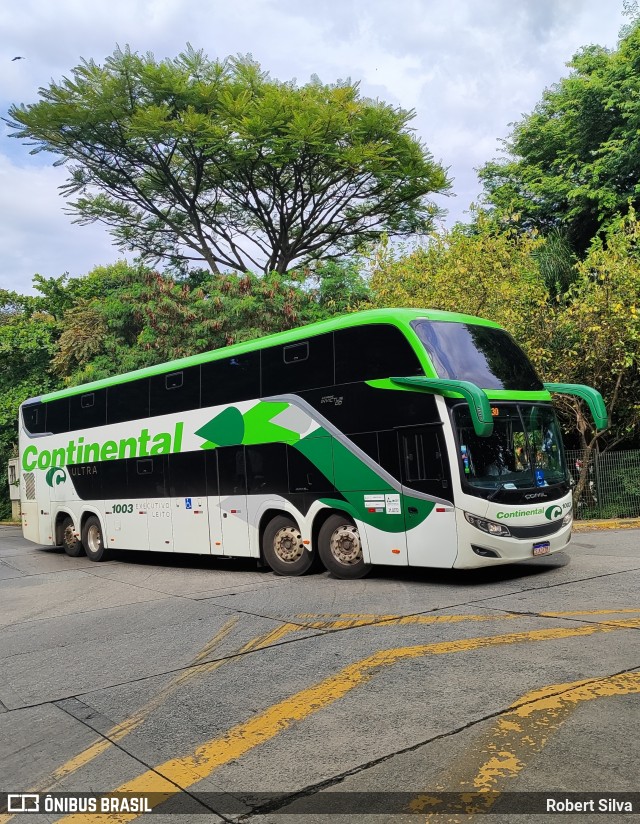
402,437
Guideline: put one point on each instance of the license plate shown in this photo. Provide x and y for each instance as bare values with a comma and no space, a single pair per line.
543,548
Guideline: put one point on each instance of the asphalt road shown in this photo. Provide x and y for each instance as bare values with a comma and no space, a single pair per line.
226,690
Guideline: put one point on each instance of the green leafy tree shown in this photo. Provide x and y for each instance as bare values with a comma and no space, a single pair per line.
483,270
150,317
573,164
190,159
27,342
593,336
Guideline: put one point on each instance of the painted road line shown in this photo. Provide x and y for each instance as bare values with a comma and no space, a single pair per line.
124,728
517,735
347,621
172,776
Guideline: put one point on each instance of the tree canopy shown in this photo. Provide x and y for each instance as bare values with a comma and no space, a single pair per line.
191,159
573,164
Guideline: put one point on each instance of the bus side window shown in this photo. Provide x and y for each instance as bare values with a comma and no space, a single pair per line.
304,476
34,418
267,468
388,452
187,474
423,467
297,366
229,380
175,391
88,410
87,480
114,478
57,416
128,401
211,466
368,442
232,475
146,477
368,352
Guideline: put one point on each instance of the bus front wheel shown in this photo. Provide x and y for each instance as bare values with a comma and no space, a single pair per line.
70,540
93,541
340,548
283,549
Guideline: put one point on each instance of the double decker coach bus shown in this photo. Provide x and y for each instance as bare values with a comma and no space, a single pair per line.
400,437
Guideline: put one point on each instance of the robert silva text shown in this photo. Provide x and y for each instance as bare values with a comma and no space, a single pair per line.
591,805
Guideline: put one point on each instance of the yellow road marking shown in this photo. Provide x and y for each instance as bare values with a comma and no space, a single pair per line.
358,620
170,777
121,730
519,733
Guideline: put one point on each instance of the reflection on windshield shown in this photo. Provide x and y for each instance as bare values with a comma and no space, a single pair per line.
525,449
484,355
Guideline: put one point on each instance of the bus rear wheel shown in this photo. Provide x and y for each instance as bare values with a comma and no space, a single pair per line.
283,549
340,548
93,541
70,541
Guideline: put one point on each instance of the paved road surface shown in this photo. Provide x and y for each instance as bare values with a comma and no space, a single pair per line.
228,690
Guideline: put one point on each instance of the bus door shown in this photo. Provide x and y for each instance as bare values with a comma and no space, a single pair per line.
190,511
425,468
145,505
231,503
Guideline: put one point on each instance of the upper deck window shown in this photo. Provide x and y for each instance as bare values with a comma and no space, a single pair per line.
483,355
373,351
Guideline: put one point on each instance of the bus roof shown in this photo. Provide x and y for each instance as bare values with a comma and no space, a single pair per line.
397,317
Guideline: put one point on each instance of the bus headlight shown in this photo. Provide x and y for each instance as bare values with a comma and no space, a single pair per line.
490,527
567,518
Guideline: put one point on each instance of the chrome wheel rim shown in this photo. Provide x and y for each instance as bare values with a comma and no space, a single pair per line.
345,545
287,545
94,539
70,539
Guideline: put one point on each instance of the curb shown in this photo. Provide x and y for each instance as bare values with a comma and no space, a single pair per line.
610,523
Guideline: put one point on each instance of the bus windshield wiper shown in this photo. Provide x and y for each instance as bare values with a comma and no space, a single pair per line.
499,488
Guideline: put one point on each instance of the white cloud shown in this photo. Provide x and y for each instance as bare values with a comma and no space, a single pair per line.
36,236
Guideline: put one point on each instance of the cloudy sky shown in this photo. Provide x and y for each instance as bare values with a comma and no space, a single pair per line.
468,68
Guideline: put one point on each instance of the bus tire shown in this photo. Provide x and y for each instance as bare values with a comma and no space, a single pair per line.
70,541
340,548
93,540
283,549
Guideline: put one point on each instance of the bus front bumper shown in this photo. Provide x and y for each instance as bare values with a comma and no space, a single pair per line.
479,549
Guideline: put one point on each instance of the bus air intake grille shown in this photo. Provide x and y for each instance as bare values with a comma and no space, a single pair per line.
538,531
30,486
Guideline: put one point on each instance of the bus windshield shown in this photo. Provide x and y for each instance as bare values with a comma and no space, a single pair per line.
524,451
484,355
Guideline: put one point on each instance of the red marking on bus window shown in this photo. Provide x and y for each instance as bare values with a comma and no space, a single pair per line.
233,511
395,551
440,509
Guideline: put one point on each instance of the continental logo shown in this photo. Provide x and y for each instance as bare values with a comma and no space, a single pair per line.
76,451
550,513
55,476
